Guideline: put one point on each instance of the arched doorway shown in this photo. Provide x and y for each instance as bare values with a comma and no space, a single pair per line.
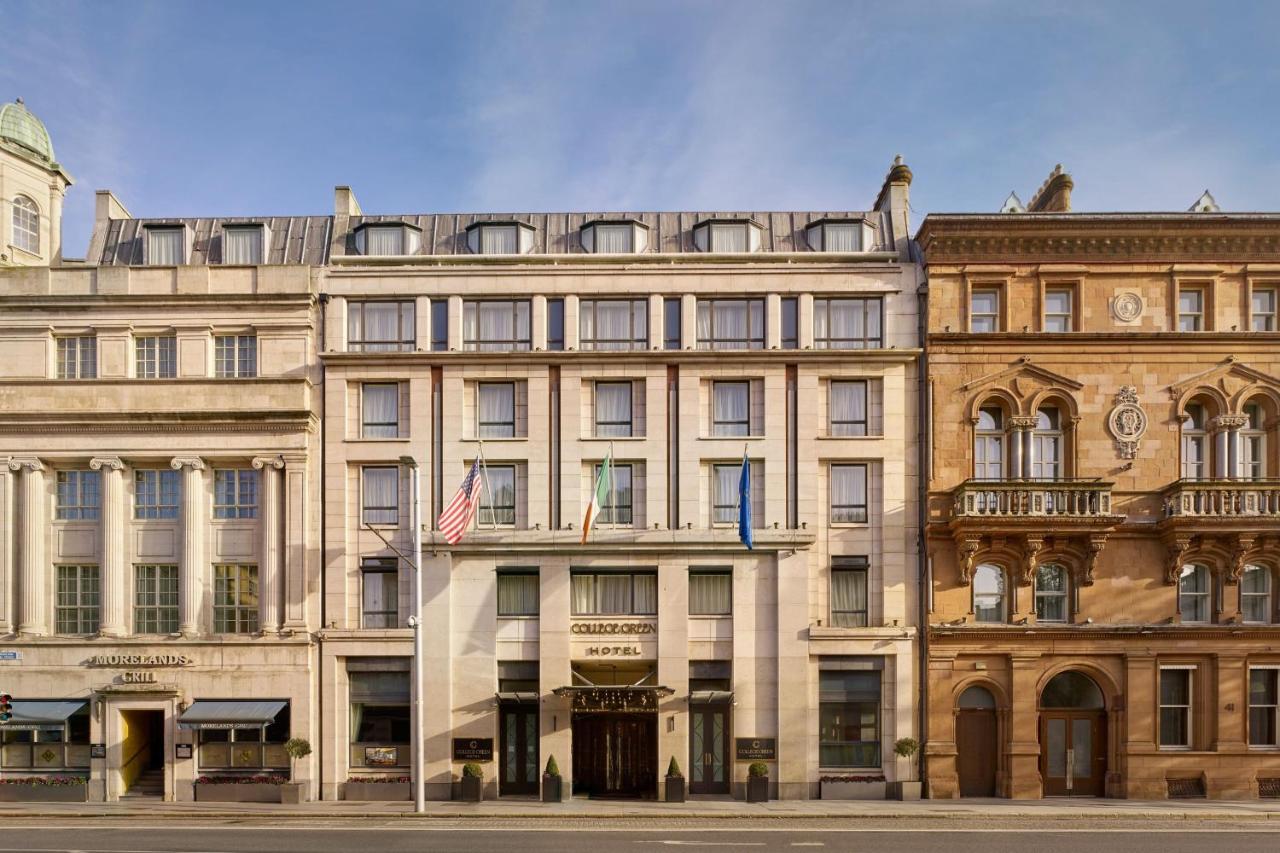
1073,737
977,743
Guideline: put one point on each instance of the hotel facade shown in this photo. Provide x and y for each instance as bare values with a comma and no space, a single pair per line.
214,430
1103,502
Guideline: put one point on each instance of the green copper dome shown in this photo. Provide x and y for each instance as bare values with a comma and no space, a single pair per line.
19,126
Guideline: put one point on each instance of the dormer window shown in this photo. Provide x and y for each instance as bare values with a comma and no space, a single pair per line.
500,238
725,236
243,244
387,239
837,235
166,246
617,237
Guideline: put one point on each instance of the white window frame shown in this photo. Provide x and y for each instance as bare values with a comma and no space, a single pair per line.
1188,709
1264,321
258,250
1004,594
1206,596
992,317
1267,596
77,357
1057,322
26,224
1192,320
235,356
155,357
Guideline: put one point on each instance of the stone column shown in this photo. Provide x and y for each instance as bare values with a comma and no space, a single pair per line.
31,553
269,567
7,533
1024,728
296,540
189,597
112,562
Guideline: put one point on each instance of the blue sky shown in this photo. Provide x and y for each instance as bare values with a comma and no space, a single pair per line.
261,108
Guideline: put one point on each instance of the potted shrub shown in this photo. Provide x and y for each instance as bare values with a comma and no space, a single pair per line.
377,788
758,782
294,791
675,782
906,748
551,782
44,789
472,783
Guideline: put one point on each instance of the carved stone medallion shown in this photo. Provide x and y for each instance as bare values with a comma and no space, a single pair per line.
1127,422
1127,306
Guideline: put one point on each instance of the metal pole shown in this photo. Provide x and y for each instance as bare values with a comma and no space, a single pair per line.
415,621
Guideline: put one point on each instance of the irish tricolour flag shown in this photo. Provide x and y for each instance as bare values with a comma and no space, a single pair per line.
598,496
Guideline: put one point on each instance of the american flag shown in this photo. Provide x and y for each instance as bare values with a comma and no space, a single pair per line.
457,516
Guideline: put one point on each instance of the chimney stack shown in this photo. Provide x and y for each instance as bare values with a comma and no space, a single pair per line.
1054,195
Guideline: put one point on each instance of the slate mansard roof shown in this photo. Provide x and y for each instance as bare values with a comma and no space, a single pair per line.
292,240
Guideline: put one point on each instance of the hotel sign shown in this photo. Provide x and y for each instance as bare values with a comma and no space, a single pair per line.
756,748
119,661
473,749
613,628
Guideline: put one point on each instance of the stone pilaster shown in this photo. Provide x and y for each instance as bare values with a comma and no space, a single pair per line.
296,540
32,567
189,589
112,572
7,533
269,585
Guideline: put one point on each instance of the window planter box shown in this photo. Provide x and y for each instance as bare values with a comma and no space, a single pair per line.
366,792
44,793
851,790
238,793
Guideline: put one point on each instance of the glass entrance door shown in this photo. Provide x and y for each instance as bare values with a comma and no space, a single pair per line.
1072,753
519,749
709,749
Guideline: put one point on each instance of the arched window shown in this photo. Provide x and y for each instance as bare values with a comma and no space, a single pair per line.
988,445
1051,594
1195,444
26,224
976,697
1255,594
989,600
1072,690
1253,444
1194,593
1046,446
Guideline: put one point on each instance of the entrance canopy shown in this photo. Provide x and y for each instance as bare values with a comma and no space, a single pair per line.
230,713
710,697
30,715
613,699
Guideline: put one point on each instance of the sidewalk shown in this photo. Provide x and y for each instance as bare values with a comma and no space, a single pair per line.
723,809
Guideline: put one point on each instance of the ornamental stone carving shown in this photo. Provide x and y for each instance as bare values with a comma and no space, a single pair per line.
1127,422
1127,306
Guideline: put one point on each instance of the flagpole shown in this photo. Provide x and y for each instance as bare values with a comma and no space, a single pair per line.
613,513
484,476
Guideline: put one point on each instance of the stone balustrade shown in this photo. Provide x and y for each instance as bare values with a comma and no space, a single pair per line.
1222,499
1032,498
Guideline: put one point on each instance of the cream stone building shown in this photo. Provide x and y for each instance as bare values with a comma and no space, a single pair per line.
670,344
159,491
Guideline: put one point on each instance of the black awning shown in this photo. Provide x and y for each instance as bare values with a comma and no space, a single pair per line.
230,713
36,715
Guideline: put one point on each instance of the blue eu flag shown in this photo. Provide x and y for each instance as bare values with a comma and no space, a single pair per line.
744,503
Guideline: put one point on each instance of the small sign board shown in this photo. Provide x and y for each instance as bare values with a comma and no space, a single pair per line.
10,655
756,748
97,750
473,749
183,750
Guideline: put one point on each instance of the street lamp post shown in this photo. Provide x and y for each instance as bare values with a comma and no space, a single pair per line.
415,622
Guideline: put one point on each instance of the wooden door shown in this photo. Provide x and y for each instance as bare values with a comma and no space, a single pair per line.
615,755
519,749
977,751
1073,753
709,749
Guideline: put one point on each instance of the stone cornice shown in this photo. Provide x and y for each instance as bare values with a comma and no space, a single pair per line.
654,542
860,357
1148,633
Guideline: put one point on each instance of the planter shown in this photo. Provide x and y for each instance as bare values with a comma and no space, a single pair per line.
675,789
471,790
367,792
757,789
292,793
233,793
905,790
854,790
552,788
44,793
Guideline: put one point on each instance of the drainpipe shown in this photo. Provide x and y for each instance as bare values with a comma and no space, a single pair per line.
322,300
924,420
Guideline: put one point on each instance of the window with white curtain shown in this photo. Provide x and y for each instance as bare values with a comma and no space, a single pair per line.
495,325
380,326
26,224
725,479
499,240
498,496
166,246
1264,706
1195,451
155,356
984,310
1046,439
1058,311
730,324
618,507
1255,595
731,408
847,323
710,592
835,237
988,445
384,239
613,324
1263,309
517,593
78,357
729,237
614,239
379,593
614,593
848,494
242,244
235,356
849,592
380,410
381,495
1253,443
990,601
1191,309
496,409
1195,594
613,409
1175,707
848,409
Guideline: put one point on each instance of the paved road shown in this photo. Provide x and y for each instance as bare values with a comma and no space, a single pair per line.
894,836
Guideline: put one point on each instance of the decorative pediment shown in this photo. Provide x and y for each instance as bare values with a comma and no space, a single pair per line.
1025,374
1230,377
